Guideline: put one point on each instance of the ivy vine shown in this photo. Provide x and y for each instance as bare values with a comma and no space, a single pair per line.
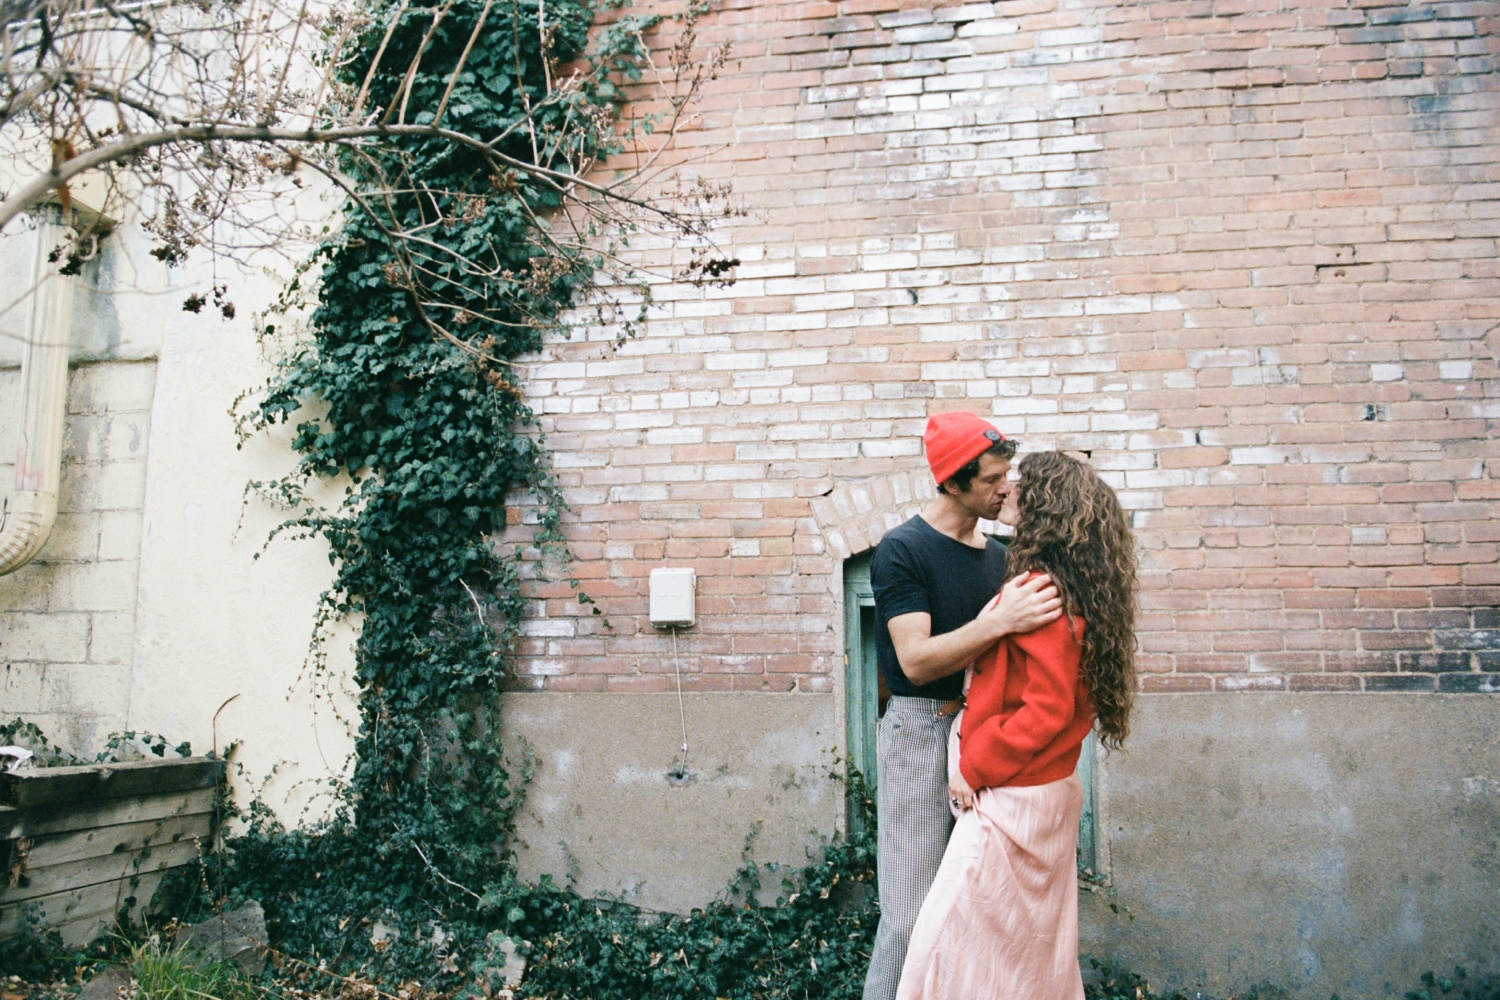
434,439
404,387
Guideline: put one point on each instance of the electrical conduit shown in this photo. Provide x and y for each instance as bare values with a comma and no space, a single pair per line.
31,509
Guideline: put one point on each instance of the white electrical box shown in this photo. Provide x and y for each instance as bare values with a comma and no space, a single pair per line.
672,596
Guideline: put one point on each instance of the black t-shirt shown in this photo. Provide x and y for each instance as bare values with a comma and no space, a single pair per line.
918,568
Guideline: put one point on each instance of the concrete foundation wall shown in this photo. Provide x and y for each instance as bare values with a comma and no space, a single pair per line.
603,812
1327,843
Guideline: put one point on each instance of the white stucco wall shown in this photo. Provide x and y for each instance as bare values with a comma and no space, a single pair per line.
148,608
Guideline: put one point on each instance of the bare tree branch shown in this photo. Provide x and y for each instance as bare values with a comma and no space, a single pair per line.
199,119
125,149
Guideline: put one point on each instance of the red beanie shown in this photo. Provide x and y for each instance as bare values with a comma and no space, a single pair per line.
955,439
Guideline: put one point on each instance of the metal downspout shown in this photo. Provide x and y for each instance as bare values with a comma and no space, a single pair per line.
31,509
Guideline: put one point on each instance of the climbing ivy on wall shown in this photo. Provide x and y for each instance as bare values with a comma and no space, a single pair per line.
408,358
404,387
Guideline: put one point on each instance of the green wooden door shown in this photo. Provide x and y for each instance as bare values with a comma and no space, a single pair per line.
861,676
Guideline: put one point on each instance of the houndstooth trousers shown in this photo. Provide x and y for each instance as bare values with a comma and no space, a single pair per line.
911,803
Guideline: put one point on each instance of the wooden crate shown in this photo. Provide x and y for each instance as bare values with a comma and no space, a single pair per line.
82,846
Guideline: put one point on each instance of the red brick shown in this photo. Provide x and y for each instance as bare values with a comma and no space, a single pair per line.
1260,334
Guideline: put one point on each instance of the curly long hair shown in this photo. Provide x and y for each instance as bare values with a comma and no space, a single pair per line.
1072,527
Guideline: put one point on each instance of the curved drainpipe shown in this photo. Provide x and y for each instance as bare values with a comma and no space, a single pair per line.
31,509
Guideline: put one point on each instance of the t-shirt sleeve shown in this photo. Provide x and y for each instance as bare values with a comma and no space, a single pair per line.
897,581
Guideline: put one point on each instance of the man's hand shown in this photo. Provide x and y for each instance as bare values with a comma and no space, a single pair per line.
1022,607
959,792
1019,607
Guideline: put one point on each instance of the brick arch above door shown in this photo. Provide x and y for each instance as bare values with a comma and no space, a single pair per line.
856,514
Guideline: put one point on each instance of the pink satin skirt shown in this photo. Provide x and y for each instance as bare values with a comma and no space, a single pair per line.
1001,919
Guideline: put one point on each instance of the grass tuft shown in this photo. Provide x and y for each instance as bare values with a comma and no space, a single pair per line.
163,973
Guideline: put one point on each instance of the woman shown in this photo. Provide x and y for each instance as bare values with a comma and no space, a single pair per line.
1001,919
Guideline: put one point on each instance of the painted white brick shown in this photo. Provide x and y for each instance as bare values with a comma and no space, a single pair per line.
796,321
989,27
641,492
719,473
1017,406
1158,479
799,358
764,379
938,370
827,449
763,453
1117,306
903,18
899,447
639,421
704,345
889,262
1018,368
1056,423
736,361
798,432
1123,421
675,435
619,366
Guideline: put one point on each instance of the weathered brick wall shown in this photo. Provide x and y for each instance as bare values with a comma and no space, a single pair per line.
1242,253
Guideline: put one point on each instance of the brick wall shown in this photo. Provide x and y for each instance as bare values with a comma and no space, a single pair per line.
1243,253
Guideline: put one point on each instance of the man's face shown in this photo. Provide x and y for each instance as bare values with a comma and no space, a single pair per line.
1010,511
987,491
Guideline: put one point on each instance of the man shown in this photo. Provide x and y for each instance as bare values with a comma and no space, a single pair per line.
935,580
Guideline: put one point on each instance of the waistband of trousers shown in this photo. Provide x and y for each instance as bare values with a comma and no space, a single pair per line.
908,705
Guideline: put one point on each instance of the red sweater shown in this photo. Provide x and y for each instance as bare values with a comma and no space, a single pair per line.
1028,710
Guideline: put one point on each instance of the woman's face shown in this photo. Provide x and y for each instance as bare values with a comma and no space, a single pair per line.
1010,510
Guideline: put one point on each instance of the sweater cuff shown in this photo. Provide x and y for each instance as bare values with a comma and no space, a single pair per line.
975,779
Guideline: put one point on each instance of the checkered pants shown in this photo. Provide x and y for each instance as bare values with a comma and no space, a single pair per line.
911,801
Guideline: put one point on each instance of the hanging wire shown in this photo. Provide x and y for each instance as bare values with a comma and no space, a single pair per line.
681,773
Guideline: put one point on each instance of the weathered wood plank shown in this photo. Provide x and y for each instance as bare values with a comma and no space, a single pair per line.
80,915
122,839
62,817
97,838
86,872
50,785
